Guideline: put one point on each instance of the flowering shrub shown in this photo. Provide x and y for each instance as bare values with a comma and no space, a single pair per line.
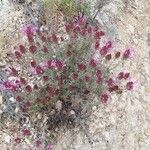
54,68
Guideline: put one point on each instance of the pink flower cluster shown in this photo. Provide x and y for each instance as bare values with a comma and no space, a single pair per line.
29,29
70,67
11,85
39,69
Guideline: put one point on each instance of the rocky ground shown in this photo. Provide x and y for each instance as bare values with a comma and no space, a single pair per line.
11,18
122,124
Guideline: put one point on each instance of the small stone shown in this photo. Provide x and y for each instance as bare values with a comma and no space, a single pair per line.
135,41
16,110
104,17
52,112
1,99
56,129
27,141
72,112
12,99
94,108
147,90
7,138
4,107
131,28
45,119
58,105
107,136
2,63
39,116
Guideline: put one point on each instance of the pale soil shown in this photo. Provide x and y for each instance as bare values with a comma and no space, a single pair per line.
124,123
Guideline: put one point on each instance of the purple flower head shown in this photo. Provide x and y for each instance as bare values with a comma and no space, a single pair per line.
132,84
128,53
120,75
126,74
22,49
109,44
98,73
97,44
93,62
104,98
17,140
104,50
28,88
81,67
59,64
26,132
12,85
50,64
108,57
39,70
99,34
29,29
38,143
18,55
11,71
77,29
74,76
123,75
110,82
89,30
44,65
69,27
54,38
80,19
98,79
48,147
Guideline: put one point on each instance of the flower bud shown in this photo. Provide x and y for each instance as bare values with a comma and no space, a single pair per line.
32,49
104,98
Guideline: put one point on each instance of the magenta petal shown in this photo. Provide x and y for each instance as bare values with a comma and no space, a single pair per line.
128,54
104,98
29,29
